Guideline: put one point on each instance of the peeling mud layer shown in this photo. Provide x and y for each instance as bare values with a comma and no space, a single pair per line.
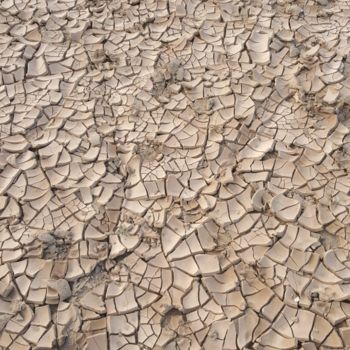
174,174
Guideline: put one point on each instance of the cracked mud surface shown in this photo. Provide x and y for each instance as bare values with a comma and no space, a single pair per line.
174,174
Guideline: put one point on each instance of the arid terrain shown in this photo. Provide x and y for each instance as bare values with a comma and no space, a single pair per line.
174,174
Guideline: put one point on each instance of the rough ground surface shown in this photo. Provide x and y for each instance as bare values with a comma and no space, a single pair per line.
174,174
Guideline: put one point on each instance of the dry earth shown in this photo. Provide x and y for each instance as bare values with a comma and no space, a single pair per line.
174,174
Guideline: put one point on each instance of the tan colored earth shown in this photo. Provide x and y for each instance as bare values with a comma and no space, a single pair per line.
174,174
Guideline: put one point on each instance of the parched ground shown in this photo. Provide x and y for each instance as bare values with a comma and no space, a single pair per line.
174,174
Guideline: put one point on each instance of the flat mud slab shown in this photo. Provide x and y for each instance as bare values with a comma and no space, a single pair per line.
174,175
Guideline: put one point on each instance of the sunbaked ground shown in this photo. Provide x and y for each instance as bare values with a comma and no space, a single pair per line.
174,174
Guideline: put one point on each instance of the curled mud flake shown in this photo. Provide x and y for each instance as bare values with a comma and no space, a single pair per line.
286,209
